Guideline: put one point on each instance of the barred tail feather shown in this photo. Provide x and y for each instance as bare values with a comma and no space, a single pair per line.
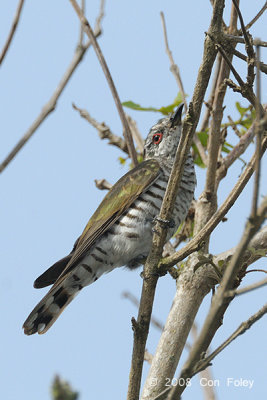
49,309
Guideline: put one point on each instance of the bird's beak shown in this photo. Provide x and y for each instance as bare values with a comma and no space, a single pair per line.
176,118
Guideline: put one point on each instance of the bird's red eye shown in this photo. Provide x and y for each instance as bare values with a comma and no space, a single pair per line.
157,137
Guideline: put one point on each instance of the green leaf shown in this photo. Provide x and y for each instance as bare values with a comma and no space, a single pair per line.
135,106
165,110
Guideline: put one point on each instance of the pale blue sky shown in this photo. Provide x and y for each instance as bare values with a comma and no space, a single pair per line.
48,193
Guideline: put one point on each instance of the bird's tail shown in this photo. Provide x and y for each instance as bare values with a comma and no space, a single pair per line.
49,308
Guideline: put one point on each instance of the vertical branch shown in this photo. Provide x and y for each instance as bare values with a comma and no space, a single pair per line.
207,203
88,30
258,136
12,31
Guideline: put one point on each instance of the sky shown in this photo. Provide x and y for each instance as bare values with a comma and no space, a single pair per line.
48,193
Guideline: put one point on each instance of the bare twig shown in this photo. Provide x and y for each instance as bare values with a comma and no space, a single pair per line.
81,28
233,125
246,289
176,73
104,131
236,152
51,104
238,39
257,16
263,67
12,31
205,122
239,331
88,30
136,133
174,67
258,138
154,321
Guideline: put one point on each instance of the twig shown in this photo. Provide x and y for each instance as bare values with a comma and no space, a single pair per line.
249,47
219,303
263,67
236,152
102,184
136,133
258,138
207,203
197,241
88,30
174,67
154,321
51,104
257,16
104,131
234,127
206,375
205,122
12,30
238,39
239,331
246,289
81,27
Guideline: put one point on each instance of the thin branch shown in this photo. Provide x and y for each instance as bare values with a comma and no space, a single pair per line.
258,138
257,16
205,122
154,321
263,67
12,31
51,104
81,28
174,67
236,152
104,131
88,30
246,289
136,134
239,331
238,39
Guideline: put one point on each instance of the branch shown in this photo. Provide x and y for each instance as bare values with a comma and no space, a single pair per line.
12,31
263,67
238,39
239,331
258,15
236,152
246,289
104,131
207,202
176,73
51,104
88,30
174,67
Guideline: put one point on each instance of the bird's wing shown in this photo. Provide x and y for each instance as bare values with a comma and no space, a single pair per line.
115,203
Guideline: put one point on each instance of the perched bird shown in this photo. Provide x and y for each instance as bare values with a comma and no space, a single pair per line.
121,229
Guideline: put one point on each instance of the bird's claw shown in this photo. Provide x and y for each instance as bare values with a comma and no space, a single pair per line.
165,223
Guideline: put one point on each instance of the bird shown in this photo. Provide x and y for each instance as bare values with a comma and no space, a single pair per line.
120,231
